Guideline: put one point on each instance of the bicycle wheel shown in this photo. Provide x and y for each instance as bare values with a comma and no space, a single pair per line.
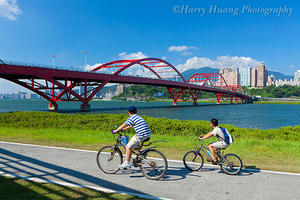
108,159
153,164
193,161
231,164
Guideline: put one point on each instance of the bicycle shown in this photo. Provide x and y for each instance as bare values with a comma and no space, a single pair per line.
230,163
109,157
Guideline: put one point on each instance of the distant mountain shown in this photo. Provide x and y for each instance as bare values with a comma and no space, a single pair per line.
188,73
279,75
105,89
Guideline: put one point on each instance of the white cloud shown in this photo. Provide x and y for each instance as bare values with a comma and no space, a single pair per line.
180,48
164,57
91,67
123,56
131,56
9,9
292,66
219,63
187,53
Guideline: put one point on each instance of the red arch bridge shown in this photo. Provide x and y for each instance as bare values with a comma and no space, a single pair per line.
62,84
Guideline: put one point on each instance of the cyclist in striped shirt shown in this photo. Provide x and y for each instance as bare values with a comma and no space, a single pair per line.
142,132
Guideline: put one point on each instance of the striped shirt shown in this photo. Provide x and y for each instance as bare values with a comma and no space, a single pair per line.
140,126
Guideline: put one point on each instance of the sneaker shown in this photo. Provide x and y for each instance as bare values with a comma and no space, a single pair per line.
215,162
125,165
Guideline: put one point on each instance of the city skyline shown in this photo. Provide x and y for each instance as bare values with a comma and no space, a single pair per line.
56,33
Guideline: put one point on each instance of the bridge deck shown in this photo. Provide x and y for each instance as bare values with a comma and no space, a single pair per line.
60,78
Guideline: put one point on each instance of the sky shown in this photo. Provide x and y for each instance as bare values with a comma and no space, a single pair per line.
189,34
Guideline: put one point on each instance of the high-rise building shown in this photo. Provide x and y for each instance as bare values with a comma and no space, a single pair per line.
224,73
254,78
262,75
245,76
230,76
297,76
271,80
119,89
233,77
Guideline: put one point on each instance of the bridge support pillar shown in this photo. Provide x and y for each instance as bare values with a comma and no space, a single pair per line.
53,106
85,107
195,104
175,104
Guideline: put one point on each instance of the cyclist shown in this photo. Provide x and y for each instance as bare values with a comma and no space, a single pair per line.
142,133
221,144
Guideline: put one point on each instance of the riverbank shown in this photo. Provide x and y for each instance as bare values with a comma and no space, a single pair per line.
272,149
214,101
278,102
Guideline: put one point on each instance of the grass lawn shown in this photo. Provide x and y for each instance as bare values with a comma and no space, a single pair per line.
258,154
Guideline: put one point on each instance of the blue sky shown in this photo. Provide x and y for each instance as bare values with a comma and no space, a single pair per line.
32,31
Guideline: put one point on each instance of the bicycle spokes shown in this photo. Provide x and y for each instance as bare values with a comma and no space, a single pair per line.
231,164
154,165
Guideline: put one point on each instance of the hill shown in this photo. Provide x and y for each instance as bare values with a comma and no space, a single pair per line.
105,89
279,75
190,72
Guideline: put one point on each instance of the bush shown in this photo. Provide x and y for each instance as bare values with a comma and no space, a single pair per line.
160,126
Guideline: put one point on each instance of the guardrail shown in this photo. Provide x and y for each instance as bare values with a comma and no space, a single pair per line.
8,62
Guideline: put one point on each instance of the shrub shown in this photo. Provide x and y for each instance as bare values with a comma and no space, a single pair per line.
160,126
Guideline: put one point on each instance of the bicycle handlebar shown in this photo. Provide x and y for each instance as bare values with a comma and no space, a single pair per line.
119,132
200,140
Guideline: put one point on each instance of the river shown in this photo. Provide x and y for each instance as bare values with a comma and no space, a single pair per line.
261,116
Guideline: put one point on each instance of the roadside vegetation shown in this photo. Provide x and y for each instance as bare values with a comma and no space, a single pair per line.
285,91
272,149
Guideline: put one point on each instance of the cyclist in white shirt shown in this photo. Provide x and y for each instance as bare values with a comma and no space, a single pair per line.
221,144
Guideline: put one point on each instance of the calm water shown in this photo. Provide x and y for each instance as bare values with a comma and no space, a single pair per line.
262,116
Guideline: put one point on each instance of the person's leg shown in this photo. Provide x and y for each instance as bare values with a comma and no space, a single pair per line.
133,141
212,152
128,153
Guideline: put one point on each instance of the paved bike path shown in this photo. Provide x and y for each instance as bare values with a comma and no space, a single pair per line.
79,168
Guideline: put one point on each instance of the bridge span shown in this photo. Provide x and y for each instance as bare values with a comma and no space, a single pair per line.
62,84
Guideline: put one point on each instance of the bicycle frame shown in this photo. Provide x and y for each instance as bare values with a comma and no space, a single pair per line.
204,148
110,157
230,163
119,141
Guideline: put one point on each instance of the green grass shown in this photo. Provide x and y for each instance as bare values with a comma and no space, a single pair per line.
15,188
278,155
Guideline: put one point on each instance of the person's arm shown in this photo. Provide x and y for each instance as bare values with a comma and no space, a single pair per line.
123,127
127,127
208,135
